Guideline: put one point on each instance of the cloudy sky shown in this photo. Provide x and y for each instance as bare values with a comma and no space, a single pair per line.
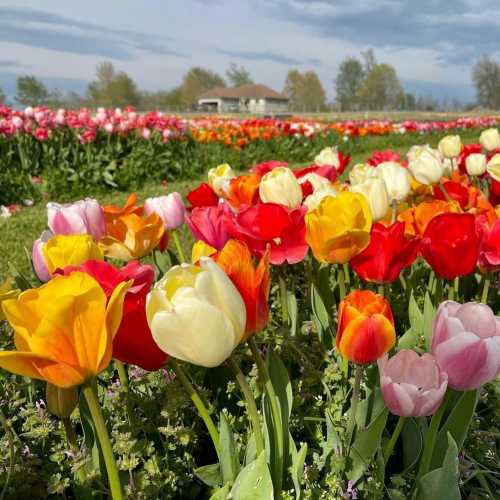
432,43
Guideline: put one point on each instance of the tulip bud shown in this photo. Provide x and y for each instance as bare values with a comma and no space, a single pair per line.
282,187
426,169
170,208
450,146
328,156
493,167
396,178
360,172
490,139
415,151
219,177
475,164
375,192
61,402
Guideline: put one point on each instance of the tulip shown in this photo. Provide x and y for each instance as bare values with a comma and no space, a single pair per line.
333,157
493,167
455,191
243,190
7,293
339,228
360,172
314,199
63,330
132,237
326,171
38,258
466,344
253,283
213,225
133,342
489,248
375,191
378,157
268,225
490,139
203,196
219,178
475,164
450,146
396,178
112,212
82,217
468,149
416,151
61,402
281,186
412,385
426,169
365,327
170,208
417,218
450,245
387,254
196,314
316,181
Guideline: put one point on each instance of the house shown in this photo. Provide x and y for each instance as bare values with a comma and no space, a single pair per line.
250,98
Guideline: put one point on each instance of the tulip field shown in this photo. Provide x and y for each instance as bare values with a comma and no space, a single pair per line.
248,309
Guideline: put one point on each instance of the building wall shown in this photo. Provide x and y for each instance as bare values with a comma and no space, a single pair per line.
264,106
255,106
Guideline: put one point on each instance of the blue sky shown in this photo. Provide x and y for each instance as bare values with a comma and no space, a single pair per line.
432,43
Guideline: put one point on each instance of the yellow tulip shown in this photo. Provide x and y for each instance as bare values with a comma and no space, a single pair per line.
70,250
7,293
339,228
63,331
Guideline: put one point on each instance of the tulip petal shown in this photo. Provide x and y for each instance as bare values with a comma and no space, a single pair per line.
22,363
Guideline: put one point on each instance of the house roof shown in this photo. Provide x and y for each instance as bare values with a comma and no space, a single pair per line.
248,91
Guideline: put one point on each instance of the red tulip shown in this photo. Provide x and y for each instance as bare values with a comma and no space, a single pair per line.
274,226
456,191
133,342
203,196
489,247
388,253
326,171
450,245
213,225
266,166
383,156
494,192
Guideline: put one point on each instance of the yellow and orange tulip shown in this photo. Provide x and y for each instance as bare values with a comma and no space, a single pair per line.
7,293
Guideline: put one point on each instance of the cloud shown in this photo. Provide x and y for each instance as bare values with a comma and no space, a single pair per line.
46,30
11,63
269,56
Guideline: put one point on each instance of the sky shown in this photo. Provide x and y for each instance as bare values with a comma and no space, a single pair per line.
432,43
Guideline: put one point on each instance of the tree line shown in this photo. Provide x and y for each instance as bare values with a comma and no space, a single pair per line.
362,84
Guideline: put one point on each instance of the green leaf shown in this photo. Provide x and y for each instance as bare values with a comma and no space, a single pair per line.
298,460
429,313
409,340
221,493
209,474
457,424
229,462
320,313
292,312
333,442
413,444
415,315
366,444
442,483
253,482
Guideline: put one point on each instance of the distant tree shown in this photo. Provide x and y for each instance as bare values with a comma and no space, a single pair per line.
173,98
381,89
410,102
238,75
369,59
486,78
112,88
305,91
348,82
293,88
198,80
30,91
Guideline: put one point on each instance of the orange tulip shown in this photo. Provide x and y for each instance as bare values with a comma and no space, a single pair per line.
417,218
132,237
243,190
63,331
112,212
366,327
252,282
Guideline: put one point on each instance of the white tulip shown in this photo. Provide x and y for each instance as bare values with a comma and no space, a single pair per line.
490,139
475,164
426,168
450,146
281,186
220,177
396,178
314,199
375,191
493,167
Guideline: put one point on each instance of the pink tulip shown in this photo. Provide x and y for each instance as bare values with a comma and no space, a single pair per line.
211,224
466,344
170,208
38,258
81,217
412,385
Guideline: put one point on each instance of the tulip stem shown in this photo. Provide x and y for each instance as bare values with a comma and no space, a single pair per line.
486,289
430,438
122,374
347,275
394,216
195,398
394,438
253,413
106,447
341,282
73,444
275,411
445,193
358,374
284,295
381,289
451,291
178,246
438,297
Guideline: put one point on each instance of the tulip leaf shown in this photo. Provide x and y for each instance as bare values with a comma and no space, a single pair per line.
209,474
415,315
251,451
366,444
409,340
320,313
413,443
254,481
443,482
292,312
229,461
221,493
457,424
429,313
298,459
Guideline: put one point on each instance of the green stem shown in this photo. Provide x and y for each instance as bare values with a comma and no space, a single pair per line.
178,246
438,297
195,398
381,289
358,374
122,374
275,411
445,193
106,447
451,292
394,438
430,438
486,289
430,284
347,274
394,216
456,286
253,413
283,295
341,282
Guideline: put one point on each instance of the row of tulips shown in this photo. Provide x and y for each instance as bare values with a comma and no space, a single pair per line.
430,221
